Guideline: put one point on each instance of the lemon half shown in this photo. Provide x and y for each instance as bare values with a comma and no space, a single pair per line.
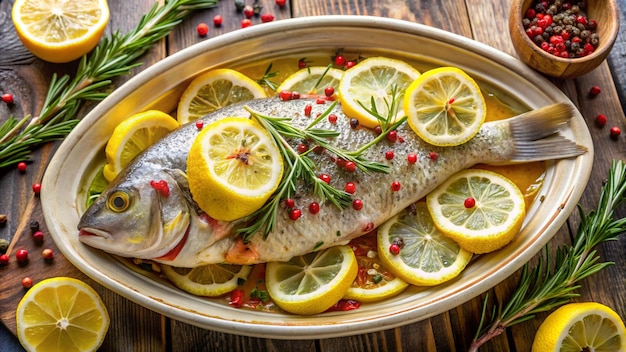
208,280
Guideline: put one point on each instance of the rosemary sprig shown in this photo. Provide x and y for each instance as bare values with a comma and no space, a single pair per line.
299,167
114,56
267,78
549,285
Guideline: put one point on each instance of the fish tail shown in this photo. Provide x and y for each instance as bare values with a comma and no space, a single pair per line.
535,134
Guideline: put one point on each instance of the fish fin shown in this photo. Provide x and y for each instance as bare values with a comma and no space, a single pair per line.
535,134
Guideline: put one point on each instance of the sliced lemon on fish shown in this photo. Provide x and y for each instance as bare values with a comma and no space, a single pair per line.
233,167
481,210
208,280
312,80
61,314
60,31
132,136
378,79
311,283
422,255
216,89
374,282
445,106
587,326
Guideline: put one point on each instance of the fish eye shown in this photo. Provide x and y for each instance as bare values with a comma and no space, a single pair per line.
119,201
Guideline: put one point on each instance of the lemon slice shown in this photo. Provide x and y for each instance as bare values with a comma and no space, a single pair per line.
311,283
60,31
213,90
375,78
208,280
312,80
444,106
374,282
132,136
479,209
233,167
61,314
427,257
587,326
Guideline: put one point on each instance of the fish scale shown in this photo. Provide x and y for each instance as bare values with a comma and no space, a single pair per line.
193,239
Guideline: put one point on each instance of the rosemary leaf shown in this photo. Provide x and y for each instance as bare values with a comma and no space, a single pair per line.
551,284
114,56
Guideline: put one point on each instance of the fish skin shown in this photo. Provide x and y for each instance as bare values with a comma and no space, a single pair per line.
210,241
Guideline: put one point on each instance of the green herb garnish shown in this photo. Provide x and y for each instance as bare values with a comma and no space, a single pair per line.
552,283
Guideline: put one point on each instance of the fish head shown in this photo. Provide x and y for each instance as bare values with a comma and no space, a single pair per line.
139,216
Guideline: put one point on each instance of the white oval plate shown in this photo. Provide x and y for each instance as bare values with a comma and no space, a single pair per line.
74,164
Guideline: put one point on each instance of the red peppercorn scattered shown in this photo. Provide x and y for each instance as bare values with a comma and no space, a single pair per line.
340,60
325,178
202,29
433,156
285,95
354,123
248,11
38,236
199,124
217,20
389,155
47,254
350,64
392,136
290,203
314,208
246,23
307,110
394,249
357,204
295,95
37,188
332,118
469,202
236,298
395,186
615,132
350,166
320,101
4,259
302,63
281,3
350,187
411,158
161,186
21,255
7,98
27,282
21,166
295,214
595,90
267,17
600,120
302,148
329,91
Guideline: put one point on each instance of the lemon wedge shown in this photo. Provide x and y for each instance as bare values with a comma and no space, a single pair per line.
233,167
208,280
481,210
375,78
61,314
444,106
374,282
587,326
213,90
311,283
312,80
426,256
132,136
60,31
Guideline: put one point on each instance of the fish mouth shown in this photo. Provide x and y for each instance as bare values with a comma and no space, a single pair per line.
88,232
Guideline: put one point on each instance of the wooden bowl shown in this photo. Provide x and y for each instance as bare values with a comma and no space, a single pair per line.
605,12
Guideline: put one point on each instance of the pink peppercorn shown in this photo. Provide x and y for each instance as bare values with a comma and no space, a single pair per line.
202,29
21,255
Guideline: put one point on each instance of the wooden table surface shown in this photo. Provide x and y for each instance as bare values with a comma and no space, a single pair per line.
134,328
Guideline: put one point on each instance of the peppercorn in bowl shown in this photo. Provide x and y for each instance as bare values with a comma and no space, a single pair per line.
563,38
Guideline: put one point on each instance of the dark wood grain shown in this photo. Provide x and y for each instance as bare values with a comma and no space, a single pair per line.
134,328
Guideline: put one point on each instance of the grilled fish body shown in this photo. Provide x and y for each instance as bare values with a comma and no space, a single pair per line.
133,219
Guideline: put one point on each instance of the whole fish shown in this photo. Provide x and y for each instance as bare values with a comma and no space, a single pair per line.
133,218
